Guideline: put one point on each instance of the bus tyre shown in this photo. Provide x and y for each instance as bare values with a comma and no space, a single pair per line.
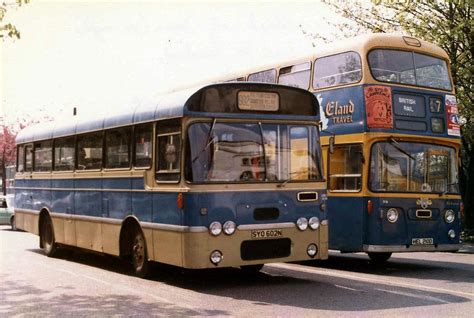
13,223
251,269
47,238
379,258
139,255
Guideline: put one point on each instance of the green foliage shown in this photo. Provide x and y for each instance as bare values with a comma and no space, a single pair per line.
449,24
8,29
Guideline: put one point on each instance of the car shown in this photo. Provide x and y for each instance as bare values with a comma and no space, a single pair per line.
7,214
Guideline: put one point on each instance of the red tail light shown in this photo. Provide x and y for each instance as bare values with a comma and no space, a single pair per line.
180,201
461,208
370,207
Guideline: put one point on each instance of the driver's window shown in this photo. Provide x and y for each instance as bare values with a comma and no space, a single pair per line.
168,151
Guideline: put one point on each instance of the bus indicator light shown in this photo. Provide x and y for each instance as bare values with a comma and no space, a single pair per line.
180,201
370,207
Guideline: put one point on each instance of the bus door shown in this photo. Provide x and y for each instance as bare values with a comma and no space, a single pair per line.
346,206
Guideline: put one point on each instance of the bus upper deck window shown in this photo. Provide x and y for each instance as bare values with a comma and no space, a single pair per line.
337,69
296,75
268,76
143,145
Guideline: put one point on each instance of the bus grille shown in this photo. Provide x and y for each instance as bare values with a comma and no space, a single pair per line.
264,249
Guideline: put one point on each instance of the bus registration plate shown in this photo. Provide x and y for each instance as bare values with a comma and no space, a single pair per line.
422,241
259,234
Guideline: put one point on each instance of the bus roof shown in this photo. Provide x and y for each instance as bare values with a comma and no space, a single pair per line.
172,105
362,43
165,106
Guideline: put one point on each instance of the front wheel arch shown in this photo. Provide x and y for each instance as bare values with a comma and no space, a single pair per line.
131,233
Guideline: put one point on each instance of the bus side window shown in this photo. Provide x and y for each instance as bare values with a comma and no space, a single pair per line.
268,76
336,70
296,75
20,156
168,151
345,168
89,151
143,146
117,147
29,158
64,149
43,156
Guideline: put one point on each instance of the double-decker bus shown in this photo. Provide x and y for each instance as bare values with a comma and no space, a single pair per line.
224,175
387,101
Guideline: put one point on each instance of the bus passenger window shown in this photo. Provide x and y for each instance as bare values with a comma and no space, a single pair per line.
336,70
117,147
20,157
29,158
64,154
268,76
89,151
296,75
43,156
345,168
143,146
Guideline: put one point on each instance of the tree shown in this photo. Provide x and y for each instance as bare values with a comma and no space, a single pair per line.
449,24
8,29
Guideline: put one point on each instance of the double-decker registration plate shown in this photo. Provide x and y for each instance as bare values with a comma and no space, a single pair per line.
259,234
422,241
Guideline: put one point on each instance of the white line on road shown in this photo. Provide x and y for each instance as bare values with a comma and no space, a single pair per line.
311,270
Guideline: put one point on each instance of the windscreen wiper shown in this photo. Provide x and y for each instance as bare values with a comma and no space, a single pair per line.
397,146
208,142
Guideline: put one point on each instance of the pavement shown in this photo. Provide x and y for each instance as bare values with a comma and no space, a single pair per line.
467,248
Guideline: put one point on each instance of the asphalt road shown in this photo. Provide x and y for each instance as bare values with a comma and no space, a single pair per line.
86,284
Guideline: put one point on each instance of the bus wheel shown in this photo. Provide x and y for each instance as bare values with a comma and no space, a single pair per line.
251,269
379,258
47,237
13,223
139,255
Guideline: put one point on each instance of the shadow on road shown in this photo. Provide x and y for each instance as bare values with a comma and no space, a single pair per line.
272,286
399,267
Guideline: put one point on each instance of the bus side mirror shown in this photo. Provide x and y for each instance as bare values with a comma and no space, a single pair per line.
331,144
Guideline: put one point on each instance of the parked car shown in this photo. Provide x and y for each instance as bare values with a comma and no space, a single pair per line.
7,215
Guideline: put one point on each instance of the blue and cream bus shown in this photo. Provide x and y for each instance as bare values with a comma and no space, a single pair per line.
388,103
225,175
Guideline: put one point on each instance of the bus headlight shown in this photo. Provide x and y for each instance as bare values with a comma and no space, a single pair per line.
216,257
215,228
312,250
392,215
451,234
314,223
229,227
302,224
449,216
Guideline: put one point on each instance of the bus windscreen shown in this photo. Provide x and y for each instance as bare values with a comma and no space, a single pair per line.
410,68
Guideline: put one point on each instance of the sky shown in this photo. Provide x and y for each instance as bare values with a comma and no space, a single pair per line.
100,56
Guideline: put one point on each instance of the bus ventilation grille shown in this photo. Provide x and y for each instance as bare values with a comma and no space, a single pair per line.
265,249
